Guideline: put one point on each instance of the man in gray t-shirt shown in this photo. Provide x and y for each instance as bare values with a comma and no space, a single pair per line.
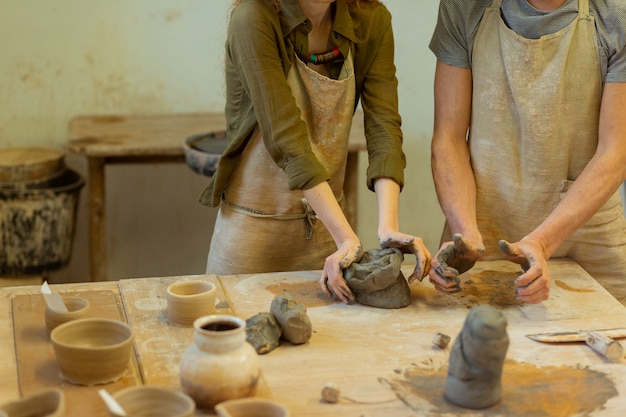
529,145
453,39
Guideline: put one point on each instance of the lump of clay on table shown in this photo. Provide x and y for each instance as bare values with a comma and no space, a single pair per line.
292,318
476,359
263,332
377,281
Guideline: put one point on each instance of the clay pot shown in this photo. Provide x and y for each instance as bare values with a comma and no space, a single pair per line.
147,401
48,403
92,351
77,308
189,300
251,407
220,365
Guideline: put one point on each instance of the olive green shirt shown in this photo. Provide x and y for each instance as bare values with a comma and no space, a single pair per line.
261,47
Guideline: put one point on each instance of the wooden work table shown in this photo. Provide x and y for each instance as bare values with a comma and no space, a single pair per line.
383,360
123,139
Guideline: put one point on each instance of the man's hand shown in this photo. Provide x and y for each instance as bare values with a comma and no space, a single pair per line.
453,259
533,286
409,244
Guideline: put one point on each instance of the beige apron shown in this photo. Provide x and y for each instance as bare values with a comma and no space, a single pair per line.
261,225
535,116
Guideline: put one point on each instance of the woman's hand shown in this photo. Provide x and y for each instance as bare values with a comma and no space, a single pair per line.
533,286
408,244
332,281
453,259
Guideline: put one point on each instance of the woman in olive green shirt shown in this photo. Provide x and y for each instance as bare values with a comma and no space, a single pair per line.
295,72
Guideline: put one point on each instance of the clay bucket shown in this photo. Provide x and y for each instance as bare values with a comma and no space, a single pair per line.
92,351
48,403
149,401
77,308
37,222
251,407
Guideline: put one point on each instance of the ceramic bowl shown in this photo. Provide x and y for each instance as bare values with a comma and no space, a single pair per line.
150,401
92,351
77,308
203,151
189,300
251,407
47,403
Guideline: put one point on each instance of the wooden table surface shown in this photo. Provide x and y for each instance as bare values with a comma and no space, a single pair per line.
383,360
151,138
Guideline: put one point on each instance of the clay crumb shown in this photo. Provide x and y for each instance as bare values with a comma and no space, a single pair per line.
441,340
330,392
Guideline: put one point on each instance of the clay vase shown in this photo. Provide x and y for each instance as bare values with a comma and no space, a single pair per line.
77,308
219,365
47,403
251,407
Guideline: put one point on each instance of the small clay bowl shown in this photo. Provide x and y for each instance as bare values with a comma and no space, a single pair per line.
251,407
92,351
47,403
189,300
203,151
77,308
150,401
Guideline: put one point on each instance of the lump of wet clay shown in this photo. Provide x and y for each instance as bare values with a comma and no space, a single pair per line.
292,318
263,332
476,359
377,281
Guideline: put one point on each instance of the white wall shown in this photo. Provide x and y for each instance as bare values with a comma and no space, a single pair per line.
64,58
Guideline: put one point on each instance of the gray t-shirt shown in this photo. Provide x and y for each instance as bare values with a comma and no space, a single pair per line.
458,22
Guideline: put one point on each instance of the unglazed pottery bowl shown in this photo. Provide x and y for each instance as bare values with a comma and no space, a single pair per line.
77,308
151,401
251,407
92,351
47,403
189,300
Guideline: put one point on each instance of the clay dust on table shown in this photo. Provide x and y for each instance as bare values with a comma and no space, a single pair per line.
307,293
495,288
527,390
567,287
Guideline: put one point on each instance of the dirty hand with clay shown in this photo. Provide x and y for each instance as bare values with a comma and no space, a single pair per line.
453,259
533,286
332,281
408,244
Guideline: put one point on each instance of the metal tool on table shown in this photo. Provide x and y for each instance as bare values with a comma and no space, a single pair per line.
601,341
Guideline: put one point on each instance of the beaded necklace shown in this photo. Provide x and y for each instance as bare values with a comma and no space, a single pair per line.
324,57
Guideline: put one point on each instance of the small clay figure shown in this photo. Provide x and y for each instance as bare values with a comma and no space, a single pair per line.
377,281
263,332
292,318
475,370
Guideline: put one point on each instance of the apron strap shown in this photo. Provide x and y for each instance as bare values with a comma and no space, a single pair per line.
583,7
309,215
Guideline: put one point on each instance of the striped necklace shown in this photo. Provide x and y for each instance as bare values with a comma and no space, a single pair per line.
324,57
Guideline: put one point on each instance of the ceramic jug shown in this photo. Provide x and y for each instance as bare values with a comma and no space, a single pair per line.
220,364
